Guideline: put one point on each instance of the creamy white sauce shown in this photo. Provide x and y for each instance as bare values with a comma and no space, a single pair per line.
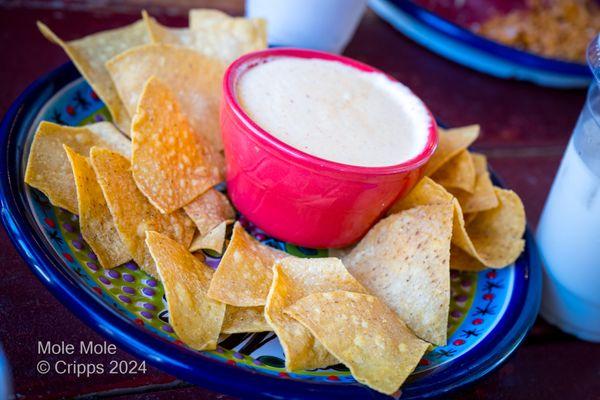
334,111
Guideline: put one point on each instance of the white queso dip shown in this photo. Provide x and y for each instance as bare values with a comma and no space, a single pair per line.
334,111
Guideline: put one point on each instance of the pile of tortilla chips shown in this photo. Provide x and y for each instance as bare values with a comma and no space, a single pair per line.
152,199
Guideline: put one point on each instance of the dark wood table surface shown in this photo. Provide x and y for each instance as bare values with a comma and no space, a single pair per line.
524,131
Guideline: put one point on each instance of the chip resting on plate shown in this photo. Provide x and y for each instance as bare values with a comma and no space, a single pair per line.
245,319
194,78
132,213
425,192
483,196
462,261
293,279
211,19
495,236
195,318
90,53
95,221
214,240
458,173
364,334
209,209
405,260
224,38
451,143
171,164
503,225
48,168
245,271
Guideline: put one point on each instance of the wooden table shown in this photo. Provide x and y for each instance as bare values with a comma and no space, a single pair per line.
524,131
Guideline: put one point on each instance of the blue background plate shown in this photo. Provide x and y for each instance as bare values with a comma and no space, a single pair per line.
456,43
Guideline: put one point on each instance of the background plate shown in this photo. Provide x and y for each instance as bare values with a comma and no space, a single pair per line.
451,40
490,314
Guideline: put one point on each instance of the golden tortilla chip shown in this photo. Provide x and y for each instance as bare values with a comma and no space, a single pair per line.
195,318
209,210
495,235
194,78
503,225
211,19
364,334
245,271
214,240
245,319
90,53
48,168
483,196
425,192
96,224
404,260
222,37
460,260
132,213
293,279
171,164
451,142
471,216
458,173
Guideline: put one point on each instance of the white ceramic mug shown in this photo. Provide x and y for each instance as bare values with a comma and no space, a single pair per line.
326,25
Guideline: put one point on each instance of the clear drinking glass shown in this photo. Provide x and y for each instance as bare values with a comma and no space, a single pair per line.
569,231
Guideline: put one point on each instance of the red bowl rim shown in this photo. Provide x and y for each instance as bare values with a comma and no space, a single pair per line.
249,60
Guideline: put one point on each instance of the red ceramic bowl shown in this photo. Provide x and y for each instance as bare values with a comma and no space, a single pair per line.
297,197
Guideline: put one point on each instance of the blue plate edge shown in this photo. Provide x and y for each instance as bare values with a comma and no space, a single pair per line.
214,375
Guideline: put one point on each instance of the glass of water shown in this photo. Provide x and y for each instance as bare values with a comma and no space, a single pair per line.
569,231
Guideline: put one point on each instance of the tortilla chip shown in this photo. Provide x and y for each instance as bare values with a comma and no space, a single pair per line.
213,240
195,79
425,192
496,234
471,216
245,319
245,271
451,143
496,242
132,213
90,53
96,224
48,168
364,334
209,210
171,164
460,260
404,260
458,173
293,279
195,318
483,196
222,37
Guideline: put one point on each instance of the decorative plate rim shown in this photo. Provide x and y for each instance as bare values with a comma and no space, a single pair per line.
183,363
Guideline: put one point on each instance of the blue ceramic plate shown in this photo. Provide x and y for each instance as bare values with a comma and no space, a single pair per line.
490,313
456,43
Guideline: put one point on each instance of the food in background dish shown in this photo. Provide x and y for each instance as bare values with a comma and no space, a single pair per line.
551,28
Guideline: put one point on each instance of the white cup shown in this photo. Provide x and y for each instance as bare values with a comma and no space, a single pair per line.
326,25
